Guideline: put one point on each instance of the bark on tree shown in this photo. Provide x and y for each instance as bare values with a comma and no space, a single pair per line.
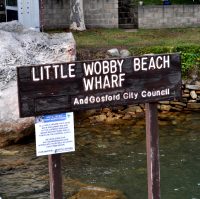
77,21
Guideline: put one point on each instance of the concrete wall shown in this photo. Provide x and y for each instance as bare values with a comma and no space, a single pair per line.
169,16
98,13
55,14
101,13
104,13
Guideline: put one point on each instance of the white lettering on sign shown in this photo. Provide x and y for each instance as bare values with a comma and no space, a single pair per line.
50,72
103,82
155,93
96,99
106,67
130,95
103,75
152,63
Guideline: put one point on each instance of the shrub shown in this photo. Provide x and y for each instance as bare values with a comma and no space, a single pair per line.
190,55
160,2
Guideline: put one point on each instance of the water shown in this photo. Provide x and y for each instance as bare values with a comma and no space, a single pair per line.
112,157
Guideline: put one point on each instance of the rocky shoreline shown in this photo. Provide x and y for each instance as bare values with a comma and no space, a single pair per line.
119,115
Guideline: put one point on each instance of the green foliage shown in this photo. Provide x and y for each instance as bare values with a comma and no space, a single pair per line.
160,2
152,2
150,50
190,55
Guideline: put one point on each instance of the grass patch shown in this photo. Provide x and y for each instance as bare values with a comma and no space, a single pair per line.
118,37
185,41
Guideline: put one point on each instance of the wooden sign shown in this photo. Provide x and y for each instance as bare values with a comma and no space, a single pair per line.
64,87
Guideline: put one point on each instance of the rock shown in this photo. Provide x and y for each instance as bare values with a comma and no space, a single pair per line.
142,106
192,101
113,52
186,91
184,100
100,118
165,107
8,153
177,108
106,110
193,95
113,120
20,46
12,128
118,108
136,109
12,26
197,83
109,114
164,102
78,190
158,106
193,105
127,116
124,53
186,95
198,92
192,87
178,103
12,164
184,81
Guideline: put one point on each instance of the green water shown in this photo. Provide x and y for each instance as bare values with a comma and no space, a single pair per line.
113,157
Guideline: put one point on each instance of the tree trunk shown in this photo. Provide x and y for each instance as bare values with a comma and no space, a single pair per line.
77,21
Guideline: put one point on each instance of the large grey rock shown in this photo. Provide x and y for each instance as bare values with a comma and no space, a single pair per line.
20,46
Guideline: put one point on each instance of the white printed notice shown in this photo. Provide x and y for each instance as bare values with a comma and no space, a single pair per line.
54,134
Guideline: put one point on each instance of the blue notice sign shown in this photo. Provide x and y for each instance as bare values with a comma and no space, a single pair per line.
54,134
51,118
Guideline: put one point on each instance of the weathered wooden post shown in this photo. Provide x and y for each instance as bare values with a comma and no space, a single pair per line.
55,176
152,147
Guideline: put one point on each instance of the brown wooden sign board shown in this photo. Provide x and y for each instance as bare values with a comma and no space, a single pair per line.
63,87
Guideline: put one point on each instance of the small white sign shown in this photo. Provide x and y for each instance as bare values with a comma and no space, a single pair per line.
54,133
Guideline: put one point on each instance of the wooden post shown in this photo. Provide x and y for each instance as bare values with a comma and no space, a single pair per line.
55,176
152,144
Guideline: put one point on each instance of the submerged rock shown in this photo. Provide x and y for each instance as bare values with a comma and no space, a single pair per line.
97,193
85,191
